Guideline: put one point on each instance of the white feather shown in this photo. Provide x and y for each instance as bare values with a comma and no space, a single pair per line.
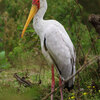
60,50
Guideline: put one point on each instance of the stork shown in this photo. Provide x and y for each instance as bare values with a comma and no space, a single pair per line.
56,44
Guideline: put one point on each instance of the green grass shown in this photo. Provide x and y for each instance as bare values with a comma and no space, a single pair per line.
12,89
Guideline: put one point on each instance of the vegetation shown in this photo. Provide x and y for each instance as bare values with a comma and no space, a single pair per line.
23,56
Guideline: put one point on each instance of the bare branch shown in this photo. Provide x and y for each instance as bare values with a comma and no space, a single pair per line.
23,81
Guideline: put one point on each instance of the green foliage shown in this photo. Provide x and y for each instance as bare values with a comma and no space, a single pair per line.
25,94
3,61
26,52
95,5
13,20
16,52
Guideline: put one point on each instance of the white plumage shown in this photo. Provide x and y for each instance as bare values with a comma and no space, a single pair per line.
55,43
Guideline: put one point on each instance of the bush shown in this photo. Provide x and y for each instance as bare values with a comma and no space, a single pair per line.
3,61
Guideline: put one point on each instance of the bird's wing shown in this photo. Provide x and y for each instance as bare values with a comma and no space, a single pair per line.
60,49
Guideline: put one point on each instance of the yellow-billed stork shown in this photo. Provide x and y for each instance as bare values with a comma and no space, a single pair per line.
55,43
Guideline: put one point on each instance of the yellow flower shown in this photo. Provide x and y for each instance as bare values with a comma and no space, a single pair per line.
99,91
73,97
73,93
93,86
89,87
84,93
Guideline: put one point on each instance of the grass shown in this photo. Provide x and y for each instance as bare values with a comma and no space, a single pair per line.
10,89
37,69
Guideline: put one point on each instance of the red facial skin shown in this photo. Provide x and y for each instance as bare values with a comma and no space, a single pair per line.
36,2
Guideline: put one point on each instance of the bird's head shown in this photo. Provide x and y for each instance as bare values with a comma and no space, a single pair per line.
34,9
37,3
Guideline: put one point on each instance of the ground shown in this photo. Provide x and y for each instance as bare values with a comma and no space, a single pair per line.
10,88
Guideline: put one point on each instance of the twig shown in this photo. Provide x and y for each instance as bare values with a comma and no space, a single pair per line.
23,81
80,70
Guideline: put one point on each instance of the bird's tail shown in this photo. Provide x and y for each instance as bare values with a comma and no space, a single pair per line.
69,85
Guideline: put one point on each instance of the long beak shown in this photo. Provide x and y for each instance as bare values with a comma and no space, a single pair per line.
32,13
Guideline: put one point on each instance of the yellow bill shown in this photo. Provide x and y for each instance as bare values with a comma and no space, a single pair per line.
32,13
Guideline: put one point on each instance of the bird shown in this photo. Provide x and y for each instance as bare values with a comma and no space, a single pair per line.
56,45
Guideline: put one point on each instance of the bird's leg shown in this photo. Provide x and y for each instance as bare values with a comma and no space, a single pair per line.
60,83
53,81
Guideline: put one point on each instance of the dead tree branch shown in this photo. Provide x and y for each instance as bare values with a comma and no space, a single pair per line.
23,81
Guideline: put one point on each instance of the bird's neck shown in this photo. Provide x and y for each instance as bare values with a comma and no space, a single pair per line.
38,18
